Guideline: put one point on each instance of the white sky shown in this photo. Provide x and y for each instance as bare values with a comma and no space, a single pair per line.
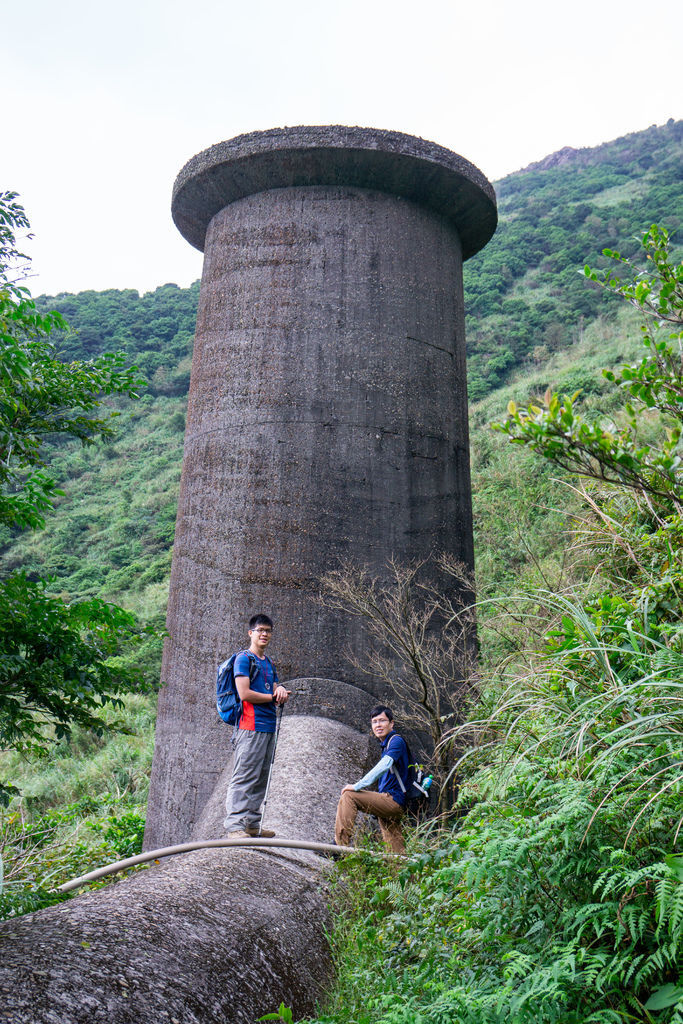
105,102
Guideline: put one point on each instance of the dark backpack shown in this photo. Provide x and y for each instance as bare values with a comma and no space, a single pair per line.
228,703
417,788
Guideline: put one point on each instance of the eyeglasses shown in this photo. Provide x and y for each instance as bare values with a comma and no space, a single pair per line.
262,632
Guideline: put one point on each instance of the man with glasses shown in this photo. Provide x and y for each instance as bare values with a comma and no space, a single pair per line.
260,692
392,776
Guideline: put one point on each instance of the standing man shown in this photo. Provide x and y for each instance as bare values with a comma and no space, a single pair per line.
260,693
388,803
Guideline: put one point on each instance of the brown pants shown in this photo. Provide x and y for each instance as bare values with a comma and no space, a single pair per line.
386,810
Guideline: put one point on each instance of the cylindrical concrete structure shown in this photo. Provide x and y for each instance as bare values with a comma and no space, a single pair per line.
327,417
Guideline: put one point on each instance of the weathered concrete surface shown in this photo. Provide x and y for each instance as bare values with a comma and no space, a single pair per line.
208,938
305,743
334,155
212,937
328,408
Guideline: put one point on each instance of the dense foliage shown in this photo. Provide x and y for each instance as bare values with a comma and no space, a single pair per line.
44,851
66,821
599,447
59,659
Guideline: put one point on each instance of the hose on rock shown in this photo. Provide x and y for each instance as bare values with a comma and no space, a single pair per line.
208,844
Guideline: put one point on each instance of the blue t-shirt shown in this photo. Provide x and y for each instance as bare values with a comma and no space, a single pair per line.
395,746
257,717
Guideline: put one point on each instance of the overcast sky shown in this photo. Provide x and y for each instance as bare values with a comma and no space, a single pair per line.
104,103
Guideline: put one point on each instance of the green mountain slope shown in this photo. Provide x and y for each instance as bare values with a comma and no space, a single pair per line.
523,296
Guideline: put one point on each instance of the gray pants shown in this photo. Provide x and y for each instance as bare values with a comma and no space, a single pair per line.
253,753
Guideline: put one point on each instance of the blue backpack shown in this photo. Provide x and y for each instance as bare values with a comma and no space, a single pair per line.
228,703
417,790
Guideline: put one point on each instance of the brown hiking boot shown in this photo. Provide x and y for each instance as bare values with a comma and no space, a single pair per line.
265,833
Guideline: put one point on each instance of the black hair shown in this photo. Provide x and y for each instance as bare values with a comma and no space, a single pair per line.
260,620
382,709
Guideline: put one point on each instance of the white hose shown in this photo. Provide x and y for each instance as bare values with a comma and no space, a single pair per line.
207,844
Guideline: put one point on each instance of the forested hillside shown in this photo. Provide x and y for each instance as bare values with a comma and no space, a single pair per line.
533,322
523,297
112,532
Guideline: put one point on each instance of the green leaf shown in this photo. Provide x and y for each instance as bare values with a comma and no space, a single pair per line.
668,995
675,862
284,1014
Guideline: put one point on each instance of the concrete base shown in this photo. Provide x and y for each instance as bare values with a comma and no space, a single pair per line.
211,937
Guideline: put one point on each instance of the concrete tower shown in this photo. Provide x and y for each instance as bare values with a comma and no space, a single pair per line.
327,416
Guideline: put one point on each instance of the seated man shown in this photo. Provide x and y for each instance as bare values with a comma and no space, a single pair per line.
388,803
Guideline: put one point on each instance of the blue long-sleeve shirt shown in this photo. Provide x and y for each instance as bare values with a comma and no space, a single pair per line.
384,765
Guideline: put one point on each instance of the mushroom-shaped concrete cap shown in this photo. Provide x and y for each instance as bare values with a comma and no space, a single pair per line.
403,165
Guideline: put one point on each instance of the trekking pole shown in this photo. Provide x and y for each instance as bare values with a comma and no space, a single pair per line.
270,770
